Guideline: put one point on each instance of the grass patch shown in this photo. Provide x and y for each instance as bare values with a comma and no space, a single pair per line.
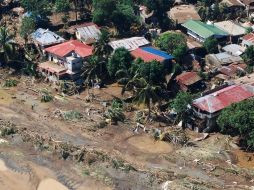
72,115
10,83
46,96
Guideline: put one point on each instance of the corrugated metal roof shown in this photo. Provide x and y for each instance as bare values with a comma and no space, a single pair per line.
158,52
226,58
249,37
46,37
223,98
89,31
188,78
146,56
65,48
202,29
234,49
130,43
231,28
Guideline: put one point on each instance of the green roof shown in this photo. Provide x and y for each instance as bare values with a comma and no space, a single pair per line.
202,29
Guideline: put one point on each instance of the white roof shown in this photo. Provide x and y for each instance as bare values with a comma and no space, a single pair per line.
130,43
231,28
226,58
234,49
89,32
46,37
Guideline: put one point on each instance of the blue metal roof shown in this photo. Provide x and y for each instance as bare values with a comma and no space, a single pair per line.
158,52
46,37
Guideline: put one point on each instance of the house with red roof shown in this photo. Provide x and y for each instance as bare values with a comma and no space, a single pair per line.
248,40
189,81
207,108
65,60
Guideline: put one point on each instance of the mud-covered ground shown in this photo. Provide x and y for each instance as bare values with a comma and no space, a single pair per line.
114,156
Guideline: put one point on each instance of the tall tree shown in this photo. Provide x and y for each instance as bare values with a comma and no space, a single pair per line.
27,27
119,12
180,103
173,43
120,60
63,6
211,45
101,47
37,7
144,93
238,119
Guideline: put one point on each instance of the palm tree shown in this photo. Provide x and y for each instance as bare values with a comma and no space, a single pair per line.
101,48
144,92
5,45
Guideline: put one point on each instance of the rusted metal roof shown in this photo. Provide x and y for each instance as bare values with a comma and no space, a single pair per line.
249,37
188,78
72,46
223,98
232,69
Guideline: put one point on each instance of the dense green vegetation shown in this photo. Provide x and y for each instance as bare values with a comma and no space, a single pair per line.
239,119
173,43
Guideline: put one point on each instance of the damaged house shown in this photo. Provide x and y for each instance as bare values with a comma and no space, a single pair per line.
189,81
215,61
206,109
45,38
65,60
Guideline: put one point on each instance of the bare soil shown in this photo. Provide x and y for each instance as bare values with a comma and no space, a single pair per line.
115,157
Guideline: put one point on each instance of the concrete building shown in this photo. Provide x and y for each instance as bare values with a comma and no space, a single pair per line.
65,60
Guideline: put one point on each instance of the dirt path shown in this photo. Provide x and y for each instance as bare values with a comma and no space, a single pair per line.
154,162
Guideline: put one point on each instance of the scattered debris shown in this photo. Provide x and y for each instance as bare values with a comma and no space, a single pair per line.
177,137
7,128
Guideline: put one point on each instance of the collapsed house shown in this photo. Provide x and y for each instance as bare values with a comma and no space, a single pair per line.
65,60
130,43
45,38
233,70
215,61
206,109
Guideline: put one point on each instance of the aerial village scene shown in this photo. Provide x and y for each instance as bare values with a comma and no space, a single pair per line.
126,94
